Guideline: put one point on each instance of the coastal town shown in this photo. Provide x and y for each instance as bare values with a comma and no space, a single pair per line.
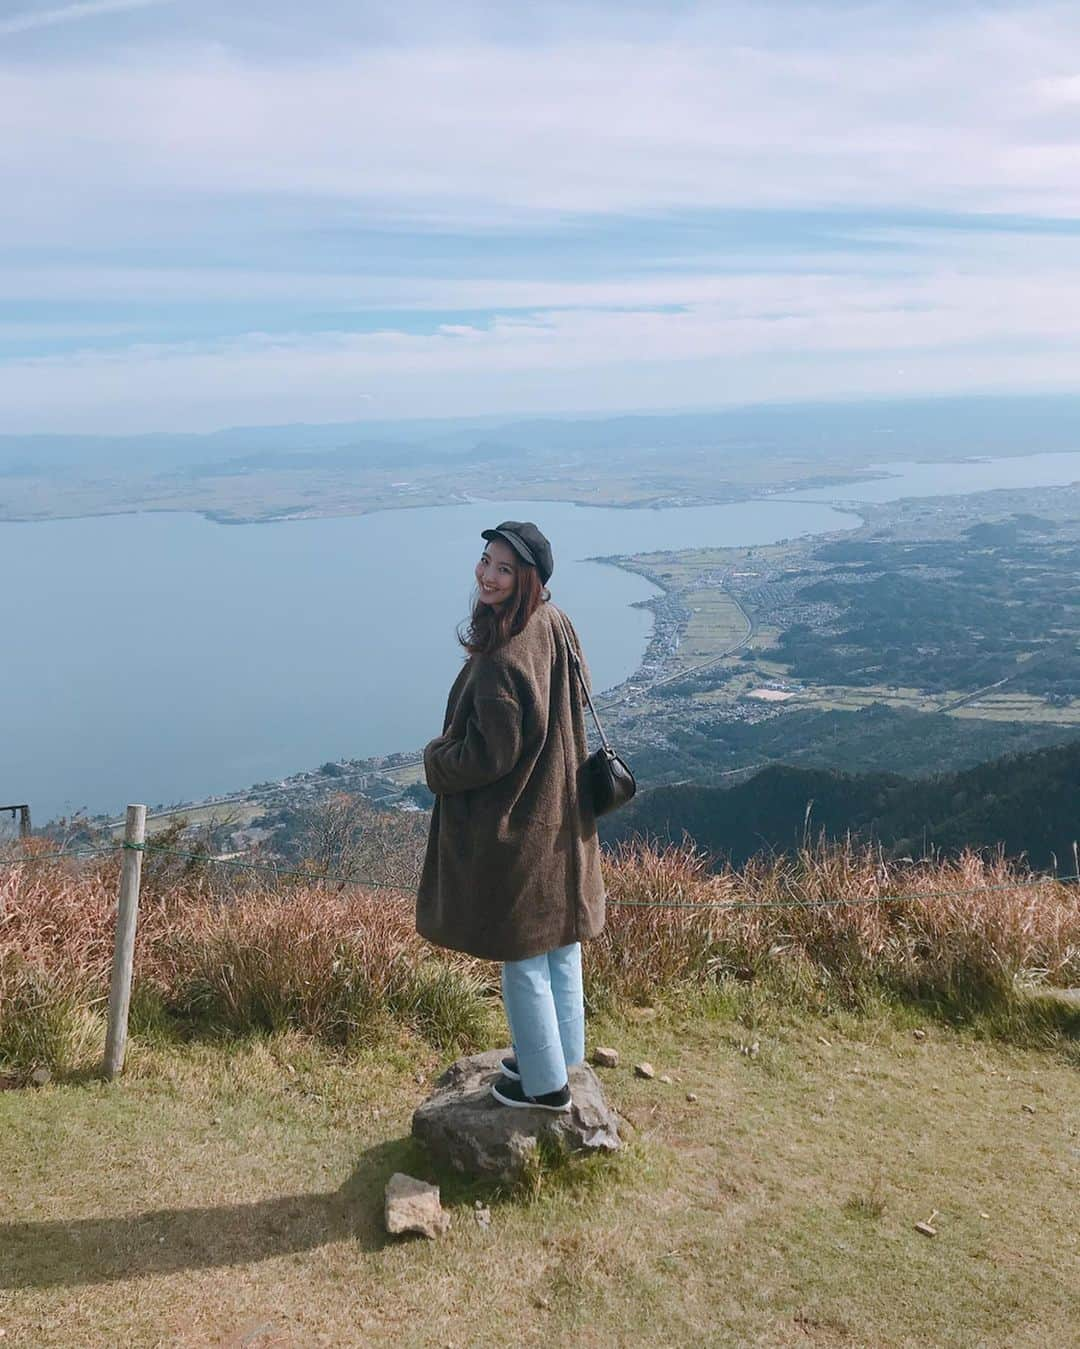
717,673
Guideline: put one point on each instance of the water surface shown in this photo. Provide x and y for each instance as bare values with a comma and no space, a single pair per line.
162,657
910,479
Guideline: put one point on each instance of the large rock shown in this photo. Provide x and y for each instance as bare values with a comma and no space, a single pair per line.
463,1124
412,1205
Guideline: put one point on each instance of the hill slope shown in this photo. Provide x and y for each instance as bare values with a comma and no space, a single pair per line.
1027,803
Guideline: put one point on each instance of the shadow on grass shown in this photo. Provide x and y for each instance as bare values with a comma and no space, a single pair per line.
166,1241
1040,1019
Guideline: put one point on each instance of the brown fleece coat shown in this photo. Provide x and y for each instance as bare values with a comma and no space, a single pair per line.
513,864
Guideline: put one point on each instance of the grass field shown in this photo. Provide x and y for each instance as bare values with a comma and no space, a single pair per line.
1020,707
853,1045
716,625
232,1196
990,707
239,812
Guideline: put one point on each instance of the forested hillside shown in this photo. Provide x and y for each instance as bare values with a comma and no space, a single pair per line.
1029,804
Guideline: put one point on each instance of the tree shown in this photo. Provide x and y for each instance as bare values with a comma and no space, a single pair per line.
346,836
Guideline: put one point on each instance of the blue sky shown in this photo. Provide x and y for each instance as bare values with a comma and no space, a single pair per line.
250,214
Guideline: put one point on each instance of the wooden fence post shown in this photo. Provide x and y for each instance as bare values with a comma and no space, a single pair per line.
24,818
127,915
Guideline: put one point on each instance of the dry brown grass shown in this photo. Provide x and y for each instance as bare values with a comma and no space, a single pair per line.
837,919
234,1196
226,955
337,965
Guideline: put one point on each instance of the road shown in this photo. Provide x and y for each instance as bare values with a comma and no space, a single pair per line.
706,664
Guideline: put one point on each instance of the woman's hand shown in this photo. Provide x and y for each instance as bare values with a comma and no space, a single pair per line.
489,749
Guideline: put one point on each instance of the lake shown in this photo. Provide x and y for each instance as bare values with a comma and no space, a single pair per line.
909,478
162,658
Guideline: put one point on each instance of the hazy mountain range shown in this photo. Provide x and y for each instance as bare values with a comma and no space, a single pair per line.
881,429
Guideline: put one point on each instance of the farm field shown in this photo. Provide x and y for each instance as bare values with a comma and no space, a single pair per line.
1019,707
716,625
961,609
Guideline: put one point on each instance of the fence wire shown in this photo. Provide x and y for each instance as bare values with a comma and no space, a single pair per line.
283,872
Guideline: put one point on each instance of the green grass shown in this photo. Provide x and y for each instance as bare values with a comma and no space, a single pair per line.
232,1196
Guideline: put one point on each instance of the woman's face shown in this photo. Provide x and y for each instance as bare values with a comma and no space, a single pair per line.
496,573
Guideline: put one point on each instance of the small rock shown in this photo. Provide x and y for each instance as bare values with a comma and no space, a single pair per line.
605,1057
691,1097
644,1070
665,1079
41,1077
483,1218
1029,1108
419,1079
412,1205
919,1034
926,1229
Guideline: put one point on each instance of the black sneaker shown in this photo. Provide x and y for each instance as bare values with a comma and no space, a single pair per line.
508,1092
510,1069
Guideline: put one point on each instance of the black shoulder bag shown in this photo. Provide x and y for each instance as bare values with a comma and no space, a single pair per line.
611,783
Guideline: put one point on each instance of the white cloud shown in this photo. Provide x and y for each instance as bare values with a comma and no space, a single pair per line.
981,323
280,384
87,9
185,154
62,329
946,110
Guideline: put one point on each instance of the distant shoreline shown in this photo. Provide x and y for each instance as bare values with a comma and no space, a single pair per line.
682,501
273,757
611,495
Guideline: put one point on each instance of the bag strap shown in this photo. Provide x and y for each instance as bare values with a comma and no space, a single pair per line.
581,678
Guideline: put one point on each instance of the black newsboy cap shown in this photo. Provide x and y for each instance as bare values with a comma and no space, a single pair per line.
527,541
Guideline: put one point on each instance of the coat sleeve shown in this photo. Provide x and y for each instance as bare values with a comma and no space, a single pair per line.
490,747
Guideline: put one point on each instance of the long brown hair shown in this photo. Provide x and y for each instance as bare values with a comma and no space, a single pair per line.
489,628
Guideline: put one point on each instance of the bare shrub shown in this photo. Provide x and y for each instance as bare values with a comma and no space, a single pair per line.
831,925
348,836
47,1018
55,955
332,964
837,918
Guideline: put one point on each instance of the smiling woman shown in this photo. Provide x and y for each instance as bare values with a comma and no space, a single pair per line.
512,871
495,573
510,580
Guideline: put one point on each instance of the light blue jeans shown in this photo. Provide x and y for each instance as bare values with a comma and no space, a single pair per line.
545,1006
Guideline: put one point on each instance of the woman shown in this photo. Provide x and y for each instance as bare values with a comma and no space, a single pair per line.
512,870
